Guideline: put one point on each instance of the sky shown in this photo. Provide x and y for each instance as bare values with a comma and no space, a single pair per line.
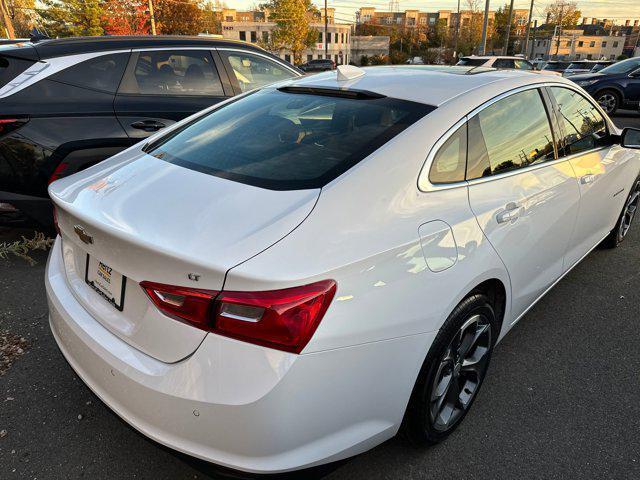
614,9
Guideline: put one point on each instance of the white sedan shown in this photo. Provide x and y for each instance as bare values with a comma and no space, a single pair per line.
292,277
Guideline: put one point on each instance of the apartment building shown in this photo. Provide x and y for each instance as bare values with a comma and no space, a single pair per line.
418,19
576,45
254,27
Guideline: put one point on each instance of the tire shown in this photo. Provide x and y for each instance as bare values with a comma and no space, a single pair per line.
619,232
427,419
609,100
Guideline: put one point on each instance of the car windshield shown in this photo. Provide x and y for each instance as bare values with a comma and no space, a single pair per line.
472,62
624,66
288,140
577,65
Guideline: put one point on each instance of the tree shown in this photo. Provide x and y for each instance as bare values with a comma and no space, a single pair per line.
563,14
182,17
22,16
293,31
211,11
64,18
126,18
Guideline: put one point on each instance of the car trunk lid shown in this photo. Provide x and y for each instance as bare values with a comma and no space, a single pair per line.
151,220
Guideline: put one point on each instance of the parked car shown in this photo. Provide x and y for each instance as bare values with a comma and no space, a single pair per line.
600,64
579,66
496,61
499,62
555,66
286,281
318,65
67,104
613,87
415,61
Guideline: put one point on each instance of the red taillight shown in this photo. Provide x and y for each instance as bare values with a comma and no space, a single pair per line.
59,172
9,124
281,319
189,305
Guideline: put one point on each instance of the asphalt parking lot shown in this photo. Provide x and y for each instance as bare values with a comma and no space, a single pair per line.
560,401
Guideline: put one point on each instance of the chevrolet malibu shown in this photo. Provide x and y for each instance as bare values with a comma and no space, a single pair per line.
293,277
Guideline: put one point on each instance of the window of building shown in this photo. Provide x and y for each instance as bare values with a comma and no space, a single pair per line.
336,37
569,43
581,44
228,18
604,44
589,56
173,72
254,37
101,73
309,58
584,127
287,58
577,56
320,37
509,134
592,44
450,162
336,58
329,37
612,57
243,36
615,44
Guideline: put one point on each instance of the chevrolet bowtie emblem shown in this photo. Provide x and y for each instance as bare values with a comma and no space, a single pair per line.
82,234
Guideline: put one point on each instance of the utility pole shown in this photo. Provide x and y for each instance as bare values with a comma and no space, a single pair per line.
6,18
525,45
326,27
153,18
455,46
485,24
506,40
558,29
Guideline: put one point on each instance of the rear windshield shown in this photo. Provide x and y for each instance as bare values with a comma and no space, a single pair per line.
555,66
578,65
11,67
472,62
288,141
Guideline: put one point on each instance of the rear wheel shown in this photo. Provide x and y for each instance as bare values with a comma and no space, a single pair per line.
619,233
453,372
608,100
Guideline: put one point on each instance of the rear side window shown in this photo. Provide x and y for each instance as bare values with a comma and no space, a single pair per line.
288,141
172,73
584,128
503,63
102,73
449,163
253,71
510,134
11,67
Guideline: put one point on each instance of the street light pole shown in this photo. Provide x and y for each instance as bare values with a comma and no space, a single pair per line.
525,46
485,24
326,26
506,40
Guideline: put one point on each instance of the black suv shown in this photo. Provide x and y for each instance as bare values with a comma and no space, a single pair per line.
67,104
318,65
613,87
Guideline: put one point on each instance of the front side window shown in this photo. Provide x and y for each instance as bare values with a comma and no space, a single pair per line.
173,72
100,73
287,141
449,163
253,71
510,134
583,126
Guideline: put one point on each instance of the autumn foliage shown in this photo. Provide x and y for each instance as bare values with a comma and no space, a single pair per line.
126,18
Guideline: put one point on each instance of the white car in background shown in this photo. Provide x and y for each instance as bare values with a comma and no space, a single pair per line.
291,277
501,62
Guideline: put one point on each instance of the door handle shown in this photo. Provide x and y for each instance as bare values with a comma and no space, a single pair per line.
148,125
586,179
510,213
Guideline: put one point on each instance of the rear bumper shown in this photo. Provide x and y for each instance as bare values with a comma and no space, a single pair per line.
238,405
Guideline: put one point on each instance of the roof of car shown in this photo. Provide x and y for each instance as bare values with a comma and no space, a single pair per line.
429,84
509,57
70,46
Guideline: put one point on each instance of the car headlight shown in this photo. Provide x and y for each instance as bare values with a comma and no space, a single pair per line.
586,83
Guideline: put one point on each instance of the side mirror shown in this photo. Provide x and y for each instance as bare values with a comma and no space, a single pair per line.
630,138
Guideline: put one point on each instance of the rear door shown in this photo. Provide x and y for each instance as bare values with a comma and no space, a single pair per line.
163,86
525,200
602,177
